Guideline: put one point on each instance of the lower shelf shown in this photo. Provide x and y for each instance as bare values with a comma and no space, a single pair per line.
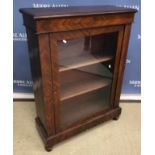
78,82
81,107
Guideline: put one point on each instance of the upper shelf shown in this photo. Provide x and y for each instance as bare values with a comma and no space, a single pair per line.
81,61
85,51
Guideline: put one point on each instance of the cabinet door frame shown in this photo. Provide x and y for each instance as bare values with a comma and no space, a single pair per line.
54,37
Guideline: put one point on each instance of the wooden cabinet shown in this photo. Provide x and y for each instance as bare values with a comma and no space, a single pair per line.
77,57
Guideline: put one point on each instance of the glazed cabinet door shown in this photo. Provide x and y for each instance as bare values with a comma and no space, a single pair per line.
84,67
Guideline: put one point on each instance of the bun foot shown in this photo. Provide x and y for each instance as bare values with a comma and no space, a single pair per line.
48,149
116,118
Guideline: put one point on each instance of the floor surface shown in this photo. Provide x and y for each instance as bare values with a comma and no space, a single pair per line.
120,137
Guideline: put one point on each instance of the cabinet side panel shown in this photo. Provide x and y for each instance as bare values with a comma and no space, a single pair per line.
36,73
122,63
39,52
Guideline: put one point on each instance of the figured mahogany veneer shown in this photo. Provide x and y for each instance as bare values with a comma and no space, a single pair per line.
76,87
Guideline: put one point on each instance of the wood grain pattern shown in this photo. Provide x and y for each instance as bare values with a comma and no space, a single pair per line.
86,32
75,23
116,64
57,93
122,63
45,61
50,141
41,75
36,74
55,80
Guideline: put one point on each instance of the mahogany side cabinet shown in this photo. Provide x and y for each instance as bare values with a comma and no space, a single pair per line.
77,58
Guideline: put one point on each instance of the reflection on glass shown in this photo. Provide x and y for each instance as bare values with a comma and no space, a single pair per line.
86,67
78,108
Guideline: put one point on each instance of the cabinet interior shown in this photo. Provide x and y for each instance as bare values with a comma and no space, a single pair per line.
86,67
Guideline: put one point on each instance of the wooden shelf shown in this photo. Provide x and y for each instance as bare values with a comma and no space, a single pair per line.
81,61
78,108
73,55
77,82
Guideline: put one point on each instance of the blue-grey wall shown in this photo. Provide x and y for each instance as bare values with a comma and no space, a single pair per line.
22,76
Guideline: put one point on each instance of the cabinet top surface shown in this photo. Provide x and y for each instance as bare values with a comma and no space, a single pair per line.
39,13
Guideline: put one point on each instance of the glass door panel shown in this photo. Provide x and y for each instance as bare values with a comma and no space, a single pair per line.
86,66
